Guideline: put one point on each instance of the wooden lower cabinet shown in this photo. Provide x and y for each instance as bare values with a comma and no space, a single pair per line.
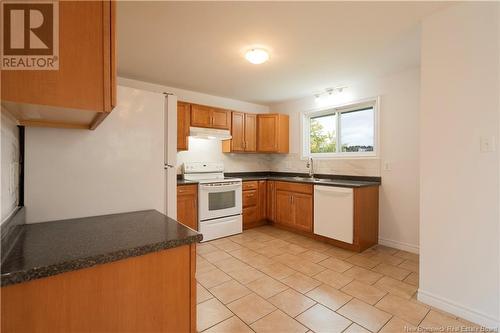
262,199
294,206
187,205
271,201
155,292
254,203
291,206
303,211
284,214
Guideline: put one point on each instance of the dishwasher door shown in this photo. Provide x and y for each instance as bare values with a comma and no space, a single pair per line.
333,212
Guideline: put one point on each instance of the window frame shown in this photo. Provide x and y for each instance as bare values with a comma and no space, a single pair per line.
338,109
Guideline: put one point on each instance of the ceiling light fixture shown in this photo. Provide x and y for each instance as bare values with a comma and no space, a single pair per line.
332,96
257,56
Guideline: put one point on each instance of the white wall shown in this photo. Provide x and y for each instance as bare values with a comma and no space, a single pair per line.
119,167
459,217
10,164
197,97
399,109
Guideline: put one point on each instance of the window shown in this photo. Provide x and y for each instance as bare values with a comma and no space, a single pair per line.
340,131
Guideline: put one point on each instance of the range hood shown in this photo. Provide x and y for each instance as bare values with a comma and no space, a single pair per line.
209,133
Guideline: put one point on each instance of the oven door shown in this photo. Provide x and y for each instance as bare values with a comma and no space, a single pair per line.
219,200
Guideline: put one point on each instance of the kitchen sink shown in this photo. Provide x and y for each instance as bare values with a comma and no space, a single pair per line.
311,179
304,178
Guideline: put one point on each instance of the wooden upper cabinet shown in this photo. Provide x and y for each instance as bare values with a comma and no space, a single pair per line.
221,119
201,115
209,117
243,132
272,133
83,90
238,132
183,123
250,132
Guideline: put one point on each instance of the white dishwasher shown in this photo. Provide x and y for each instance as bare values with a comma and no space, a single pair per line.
333,212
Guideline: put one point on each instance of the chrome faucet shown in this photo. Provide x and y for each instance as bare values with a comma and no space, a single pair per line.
310,165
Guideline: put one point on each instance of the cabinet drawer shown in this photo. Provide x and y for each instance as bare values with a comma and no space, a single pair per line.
187,189
294,187
250,215
250,185
250,198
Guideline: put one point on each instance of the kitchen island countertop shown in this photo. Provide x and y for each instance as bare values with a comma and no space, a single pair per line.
50,248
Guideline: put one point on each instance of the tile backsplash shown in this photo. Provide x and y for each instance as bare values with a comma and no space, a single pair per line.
354,167
211,151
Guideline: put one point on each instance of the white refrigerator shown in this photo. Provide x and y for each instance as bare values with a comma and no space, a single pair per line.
171,155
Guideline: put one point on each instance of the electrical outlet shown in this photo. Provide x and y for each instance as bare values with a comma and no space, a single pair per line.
488,144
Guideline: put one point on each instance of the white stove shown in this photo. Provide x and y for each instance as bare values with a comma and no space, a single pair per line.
219,199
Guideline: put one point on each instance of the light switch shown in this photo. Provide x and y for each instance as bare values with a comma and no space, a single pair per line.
387,166
488,144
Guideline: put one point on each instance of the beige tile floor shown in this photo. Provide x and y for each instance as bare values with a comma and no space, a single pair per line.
271,280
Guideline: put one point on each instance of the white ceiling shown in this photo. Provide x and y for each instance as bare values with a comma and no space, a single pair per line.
200,45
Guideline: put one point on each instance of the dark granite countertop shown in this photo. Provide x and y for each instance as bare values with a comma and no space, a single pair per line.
325,181
50,248
319,179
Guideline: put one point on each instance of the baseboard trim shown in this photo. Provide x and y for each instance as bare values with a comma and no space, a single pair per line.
458,310
399,245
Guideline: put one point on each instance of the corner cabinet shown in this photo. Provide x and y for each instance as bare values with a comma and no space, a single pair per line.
187,205
82,92
271,201
272,133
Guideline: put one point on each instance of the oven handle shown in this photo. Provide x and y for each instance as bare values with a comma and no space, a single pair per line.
224,186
